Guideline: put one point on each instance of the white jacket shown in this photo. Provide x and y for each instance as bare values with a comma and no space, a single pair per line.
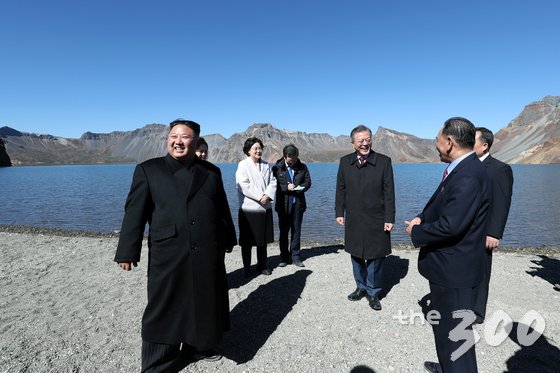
253,181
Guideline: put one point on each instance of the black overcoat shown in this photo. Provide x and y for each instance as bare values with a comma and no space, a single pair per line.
365,197
190,229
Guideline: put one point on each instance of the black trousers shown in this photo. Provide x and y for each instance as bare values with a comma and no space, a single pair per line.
164,358
290,221
449,345
261,257
484,288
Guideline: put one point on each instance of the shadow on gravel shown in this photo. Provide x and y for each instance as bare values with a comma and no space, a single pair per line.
540,356
549,269
395,269
321,250
254,319
237,279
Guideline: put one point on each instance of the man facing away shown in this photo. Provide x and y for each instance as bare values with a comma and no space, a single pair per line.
502,187
182,199
292,181
451,234
365,206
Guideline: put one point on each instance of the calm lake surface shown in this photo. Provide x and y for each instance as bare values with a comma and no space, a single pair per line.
91,198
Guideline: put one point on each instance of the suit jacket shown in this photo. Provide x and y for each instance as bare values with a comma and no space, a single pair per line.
452,235
190,228
283,195
502,188
365,197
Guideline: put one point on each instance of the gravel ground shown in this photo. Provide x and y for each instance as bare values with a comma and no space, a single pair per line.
66,307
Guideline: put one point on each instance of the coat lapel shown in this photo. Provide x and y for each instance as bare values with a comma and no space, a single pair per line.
180,174
200,174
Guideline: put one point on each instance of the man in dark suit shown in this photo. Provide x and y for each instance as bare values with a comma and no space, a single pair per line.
182,199
365,206
292,181
451,234
502,187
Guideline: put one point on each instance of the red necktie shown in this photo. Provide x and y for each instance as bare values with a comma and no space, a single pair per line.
362,160
444,174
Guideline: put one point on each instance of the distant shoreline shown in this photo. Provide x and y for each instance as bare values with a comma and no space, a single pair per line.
61,232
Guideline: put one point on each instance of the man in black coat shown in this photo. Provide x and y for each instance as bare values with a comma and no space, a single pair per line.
182,198
365,206
451,234
292,181
502,188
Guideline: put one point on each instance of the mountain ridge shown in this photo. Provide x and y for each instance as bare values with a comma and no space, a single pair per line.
532,137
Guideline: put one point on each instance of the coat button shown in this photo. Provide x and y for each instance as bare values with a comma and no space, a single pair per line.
194,248
193,222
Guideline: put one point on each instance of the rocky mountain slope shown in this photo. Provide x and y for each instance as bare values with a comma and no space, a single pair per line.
532,137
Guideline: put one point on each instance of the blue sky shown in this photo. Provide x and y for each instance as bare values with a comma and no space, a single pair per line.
68,67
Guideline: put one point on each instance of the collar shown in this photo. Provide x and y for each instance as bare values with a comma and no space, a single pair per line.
174,165
454,164
484,157
358,155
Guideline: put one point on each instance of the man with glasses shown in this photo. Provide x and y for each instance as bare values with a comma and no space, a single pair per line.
365,206
182,199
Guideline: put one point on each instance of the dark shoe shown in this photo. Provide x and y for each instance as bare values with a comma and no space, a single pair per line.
357,294
208,355
432,367
374,302
557,287
282,264
266,272
298,263
479,320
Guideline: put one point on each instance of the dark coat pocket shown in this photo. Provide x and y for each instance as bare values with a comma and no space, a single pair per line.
164,232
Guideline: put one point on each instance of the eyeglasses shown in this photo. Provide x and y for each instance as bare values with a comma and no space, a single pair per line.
363,141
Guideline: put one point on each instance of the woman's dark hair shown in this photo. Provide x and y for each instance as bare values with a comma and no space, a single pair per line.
201,142
249,144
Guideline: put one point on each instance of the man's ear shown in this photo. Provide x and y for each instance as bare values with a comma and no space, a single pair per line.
450,142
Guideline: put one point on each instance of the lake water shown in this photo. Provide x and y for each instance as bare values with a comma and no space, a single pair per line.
91,198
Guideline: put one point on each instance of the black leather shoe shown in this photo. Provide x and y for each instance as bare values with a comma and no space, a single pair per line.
282,264
209,356
432,367
357,294
374,302
298,263
266,272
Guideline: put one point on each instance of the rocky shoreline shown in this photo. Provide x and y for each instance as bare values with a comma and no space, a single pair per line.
548,250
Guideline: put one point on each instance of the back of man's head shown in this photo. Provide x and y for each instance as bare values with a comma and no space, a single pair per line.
462,131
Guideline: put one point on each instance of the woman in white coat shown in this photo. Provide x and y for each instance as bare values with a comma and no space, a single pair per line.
256,187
